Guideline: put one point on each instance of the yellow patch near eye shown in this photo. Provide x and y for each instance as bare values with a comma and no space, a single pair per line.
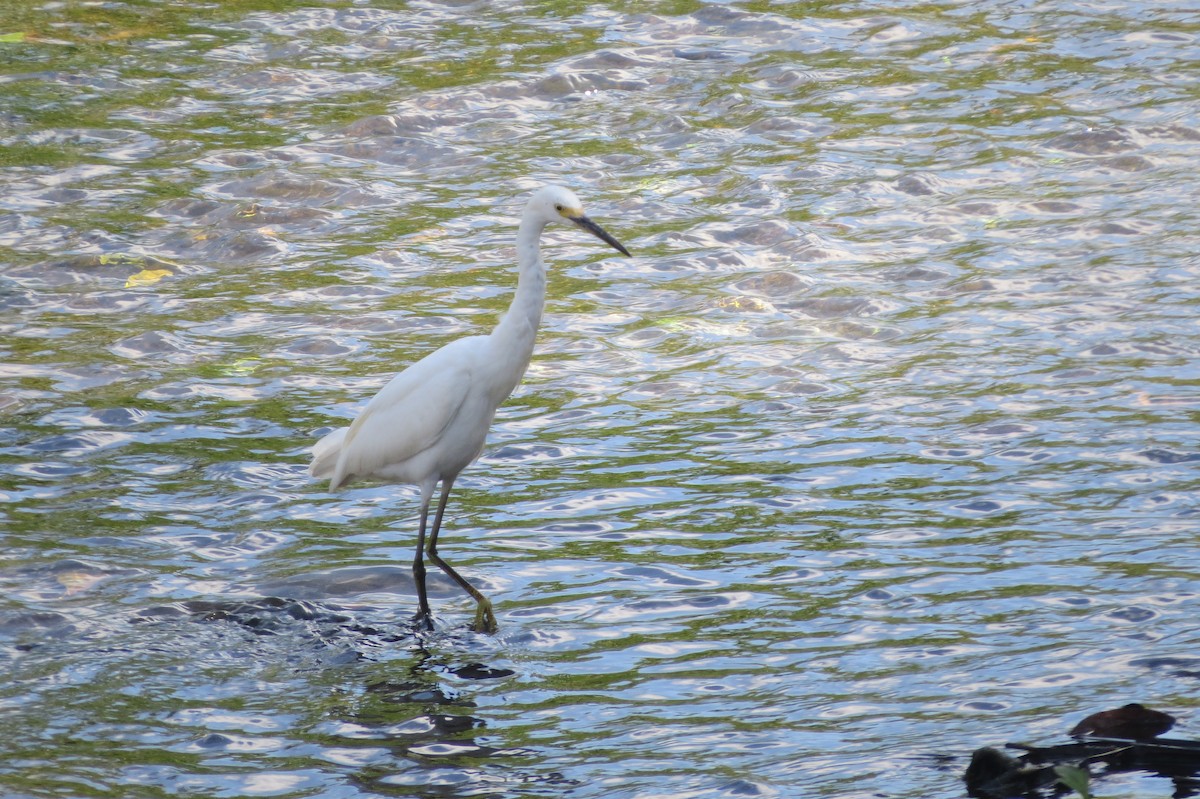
570,213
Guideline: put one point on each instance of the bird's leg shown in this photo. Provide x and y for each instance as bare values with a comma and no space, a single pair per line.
485,619
424,615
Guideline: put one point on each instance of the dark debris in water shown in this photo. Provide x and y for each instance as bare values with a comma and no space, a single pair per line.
1123,739
1128,721
478,671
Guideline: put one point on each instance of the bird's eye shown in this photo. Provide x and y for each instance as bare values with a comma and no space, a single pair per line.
558,208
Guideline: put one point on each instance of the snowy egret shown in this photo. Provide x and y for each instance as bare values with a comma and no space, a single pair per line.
431,420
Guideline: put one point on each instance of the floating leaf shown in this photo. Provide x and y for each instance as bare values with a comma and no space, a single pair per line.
147,277
14,38
148,274
1075,778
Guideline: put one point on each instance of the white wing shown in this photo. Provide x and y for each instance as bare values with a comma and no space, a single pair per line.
406,418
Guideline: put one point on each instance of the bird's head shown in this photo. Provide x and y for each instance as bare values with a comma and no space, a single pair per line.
556,204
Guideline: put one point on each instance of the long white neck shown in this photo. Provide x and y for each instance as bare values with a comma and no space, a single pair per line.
515,334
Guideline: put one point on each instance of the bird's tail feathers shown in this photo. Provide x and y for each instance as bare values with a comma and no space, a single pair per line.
326,453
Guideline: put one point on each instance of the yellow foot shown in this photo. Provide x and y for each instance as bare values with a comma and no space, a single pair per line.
485,620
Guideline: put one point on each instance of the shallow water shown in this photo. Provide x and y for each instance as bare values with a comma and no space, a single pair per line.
883,447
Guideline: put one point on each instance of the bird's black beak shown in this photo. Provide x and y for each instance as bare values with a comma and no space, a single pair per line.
600,233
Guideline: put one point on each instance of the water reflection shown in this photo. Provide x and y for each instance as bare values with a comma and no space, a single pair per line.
881,451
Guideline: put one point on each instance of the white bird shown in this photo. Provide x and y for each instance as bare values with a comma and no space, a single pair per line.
431,420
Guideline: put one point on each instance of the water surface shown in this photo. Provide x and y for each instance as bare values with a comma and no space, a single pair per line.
882,448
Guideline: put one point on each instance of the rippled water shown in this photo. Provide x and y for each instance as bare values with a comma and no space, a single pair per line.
883,447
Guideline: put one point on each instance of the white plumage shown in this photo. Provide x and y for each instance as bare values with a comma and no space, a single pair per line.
431,420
